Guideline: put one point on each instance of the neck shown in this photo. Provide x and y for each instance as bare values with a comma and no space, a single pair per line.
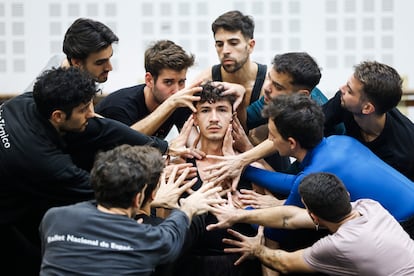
115,211
150,101
244,75
300,154
212,147
333,227
371,125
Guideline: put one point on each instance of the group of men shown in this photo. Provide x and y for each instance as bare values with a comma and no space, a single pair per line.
56,151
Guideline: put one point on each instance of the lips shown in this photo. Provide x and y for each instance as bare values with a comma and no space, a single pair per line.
227,61
214,128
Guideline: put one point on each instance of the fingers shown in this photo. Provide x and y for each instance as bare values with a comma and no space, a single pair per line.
241,259
188,185
171,179
229,198
236,234
235,183
182,177
196,140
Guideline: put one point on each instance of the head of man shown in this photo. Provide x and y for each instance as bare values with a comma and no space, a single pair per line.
294,119
214,112
88,45
121,176
290,73
325,196
64,96
166,65
373,87
234,42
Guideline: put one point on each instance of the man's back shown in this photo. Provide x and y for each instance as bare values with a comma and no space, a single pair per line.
106,243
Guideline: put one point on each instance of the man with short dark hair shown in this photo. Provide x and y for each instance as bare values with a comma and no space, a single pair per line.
36,167
105,229
87,45
163,101
364,236
367,105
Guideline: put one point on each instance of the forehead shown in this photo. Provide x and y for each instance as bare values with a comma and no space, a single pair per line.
222,35
216,104
172,74
81,106
272,127
355,84
280,77
104,54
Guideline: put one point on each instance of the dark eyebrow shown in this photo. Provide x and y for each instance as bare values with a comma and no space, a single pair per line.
349,87
274,82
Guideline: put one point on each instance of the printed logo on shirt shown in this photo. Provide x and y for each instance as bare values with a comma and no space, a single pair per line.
82,240
3,134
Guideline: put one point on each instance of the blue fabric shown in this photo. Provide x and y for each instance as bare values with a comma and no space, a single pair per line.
363,173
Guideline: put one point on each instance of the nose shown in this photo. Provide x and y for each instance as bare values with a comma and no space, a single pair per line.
108,66
342,89
174,88
91,111
226,48
213,116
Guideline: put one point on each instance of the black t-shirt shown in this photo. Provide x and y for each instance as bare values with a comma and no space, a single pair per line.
395,144
128,106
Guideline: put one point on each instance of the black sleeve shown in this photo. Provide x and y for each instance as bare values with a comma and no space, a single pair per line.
104,134
334,114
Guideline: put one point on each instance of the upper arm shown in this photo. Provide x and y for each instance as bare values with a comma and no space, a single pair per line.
204,75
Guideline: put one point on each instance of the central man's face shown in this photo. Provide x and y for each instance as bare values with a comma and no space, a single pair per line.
213,119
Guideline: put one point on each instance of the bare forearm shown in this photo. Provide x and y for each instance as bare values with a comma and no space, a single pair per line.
258,152
286,217
272,258
283,261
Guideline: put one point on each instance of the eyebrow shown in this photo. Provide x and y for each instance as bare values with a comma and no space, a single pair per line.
275,83
349,87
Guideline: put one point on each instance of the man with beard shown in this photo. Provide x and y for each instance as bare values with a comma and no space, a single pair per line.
234,41
163,100
366,105
87,45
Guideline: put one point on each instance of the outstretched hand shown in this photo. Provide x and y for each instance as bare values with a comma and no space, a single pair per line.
232,89
259,201
202,200
170,191
241,141
231,166
226,214
177,146
185,97
247,246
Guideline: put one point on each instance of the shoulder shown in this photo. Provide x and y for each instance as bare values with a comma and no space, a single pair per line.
206,74
124,93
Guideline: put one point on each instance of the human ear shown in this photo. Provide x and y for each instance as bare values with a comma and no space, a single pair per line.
149,80
58,116
368,108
